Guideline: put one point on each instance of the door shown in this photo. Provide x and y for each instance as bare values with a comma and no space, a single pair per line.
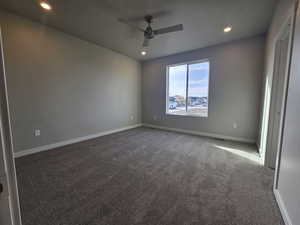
9,201
278,95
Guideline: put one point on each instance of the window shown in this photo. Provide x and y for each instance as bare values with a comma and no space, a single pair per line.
187,89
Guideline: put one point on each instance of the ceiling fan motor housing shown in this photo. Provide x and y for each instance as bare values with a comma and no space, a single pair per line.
149,33
148,19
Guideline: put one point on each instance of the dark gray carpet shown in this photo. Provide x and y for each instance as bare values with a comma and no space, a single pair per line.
146,177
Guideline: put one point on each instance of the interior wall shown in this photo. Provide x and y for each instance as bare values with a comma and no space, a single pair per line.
234,93
281,15
64,86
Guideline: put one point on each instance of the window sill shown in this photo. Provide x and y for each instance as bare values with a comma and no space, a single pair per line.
187,115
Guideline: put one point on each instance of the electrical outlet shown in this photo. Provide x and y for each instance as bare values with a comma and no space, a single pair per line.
37,132
131,117
235,125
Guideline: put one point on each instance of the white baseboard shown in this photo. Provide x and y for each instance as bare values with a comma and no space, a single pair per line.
80,139
282,208
71,141
245,140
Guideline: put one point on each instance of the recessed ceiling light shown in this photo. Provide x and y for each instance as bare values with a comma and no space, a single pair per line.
45,5
143,52
227,29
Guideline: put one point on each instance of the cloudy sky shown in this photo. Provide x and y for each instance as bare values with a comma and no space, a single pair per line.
198,80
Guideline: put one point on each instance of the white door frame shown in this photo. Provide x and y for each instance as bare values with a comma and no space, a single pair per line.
286,29
280,203
283,107
7,145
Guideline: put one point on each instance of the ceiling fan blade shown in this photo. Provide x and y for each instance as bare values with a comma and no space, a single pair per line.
130,24
146,42
170,29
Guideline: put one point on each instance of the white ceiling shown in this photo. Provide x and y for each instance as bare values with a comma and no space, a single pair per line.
203,20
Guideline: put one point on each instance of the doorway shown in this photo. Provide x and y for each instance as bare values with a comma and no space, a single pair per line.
278,93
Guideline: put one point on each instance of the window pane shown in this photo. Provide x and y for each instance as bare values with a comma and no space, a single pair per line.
198,81
177,89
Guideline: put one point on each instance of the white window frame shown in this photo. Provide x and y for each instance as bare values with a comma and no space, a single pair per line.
167,88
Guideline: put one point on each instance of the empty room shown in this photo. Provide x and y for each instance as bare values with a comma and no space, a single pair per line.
149,112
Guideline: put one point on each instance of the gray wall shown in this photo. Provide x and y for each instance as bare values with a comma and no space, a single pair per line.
64,86
283,11
234,92
289,172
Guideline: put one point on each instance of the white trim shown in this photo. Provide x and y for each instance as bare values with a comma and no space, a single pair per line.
187,115
205,134
71,141
8,156
80,139
292,12
190,62
279,200
285,31
282,208
187,83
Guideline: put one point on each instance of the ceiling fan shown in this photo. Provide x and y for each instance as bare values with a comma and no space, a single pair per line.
150,33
